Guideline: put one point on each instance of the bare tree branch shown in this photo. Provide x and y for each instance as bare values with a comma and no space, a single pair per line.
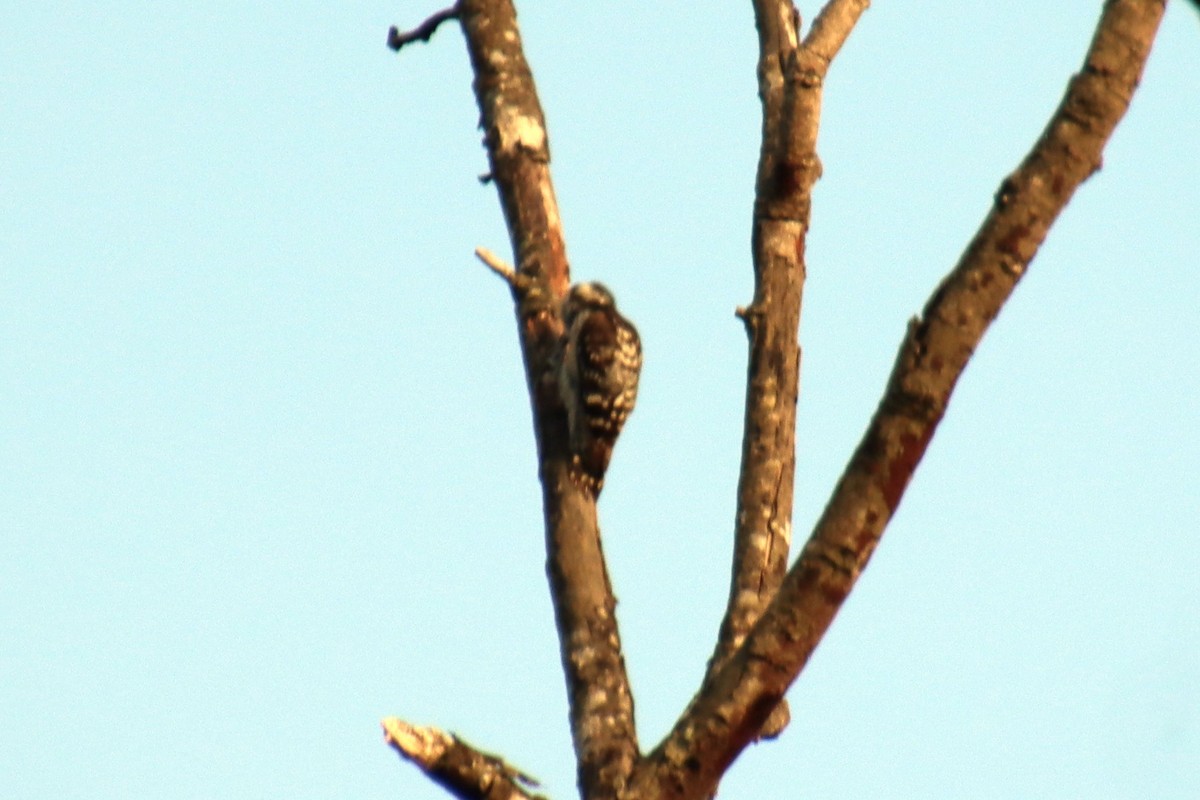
730,712
601,704
423,32
458,767
790,84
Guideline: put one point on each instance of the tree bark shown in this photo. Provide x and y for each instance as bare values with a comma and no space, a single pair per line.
790,76
935,350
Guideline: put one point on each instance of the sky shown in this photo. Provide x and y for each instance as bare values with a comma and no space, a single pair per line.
266,464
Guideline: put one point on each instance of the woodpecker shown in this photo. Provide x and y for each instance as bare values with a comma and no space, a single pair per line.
601,358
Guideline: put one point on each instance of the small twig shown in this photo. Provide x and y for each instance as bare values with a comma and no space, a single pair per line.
498,266
749,316
423,32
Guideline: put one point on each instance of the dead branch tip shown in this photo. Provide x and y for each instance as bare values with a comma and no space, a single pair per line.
423,32
419,744
750,316
497,265
464,770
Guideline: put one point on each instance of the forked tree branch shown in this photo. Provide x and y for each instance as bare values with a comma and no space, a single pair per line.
747,682
935,350
464,771
601,705
790,85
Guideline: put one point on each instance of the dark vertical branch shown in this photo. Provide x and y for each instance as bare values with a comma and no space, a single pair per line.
932,357
601,705
790,77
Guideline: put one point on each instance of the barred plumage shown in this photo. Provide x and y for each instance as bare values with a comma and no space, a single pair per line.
601,360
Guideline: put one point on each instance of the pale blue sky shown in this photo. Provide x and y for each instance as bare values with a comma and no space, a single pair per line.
266,465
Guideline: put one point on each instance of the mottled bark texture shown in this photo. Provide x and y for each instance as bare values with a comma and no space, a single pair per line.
457,766
601,705
791,75
934,353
